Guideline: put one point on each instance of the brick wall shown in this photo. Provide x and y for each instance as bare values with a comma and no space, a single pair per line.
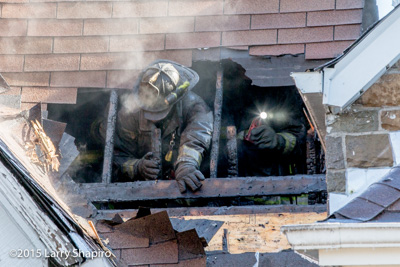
48,45
362,143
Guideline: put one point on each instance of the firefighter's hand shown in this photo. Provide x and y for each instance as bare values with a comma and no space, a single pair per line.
264,137
149,167
188,175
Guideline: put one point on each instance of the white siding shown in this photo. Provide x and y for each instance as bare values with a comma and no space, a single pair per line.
12,237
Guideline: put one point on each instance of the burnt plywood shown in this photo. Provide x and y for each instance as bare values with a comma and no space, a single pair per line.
313,103
270,71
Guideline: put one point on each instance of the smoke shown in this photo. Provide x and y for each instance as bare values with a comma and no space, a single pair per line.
130,103
112,48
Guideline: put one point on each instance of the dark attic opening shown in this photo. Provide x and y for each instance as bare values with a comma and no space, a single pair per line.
87,166
261,132
279,109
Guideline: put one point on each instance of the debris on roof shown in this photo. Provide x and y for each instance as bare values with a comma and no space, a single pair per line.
205,227
55,220
152,240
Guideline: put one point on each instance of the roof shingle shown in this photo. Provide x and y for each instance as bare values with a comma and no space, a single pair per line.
306,5
360,209
152,240
251,7
380,202
113,37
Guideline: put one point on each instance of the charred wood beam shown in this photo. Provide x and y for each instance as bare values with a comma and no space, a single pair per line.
217,123
311,154
109,142
220,187
225,245
156,146
204,211
231,146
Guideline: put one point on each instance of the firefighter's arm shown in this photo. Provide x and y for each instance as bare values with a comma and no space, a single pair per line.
195,141
126,155
265,137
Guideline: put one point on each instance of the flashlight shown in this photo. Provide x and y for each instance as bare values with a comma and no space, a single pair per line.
263,115
173,96
255,123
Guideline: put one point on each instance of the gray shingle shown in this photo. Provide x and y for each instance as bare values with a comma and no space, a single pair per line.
381,194
360,209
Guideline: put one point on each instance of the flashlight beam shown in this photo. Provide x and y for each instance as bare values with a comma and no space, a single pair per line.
263,115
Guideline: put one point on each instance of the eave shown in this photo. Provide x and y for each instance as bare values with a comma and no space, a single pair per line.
348,77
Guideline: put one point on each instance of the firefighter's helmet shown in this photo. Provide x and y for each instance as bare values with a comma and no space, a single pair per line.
162,84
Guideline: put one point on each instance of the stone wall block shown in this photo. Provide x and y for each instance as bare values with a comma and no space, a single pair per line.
334,153
355,121
336,181
385,92
367,151
390,120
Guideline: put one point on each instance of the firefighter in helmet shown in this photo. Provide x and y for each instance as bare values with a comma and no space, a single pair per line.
162,98
270,124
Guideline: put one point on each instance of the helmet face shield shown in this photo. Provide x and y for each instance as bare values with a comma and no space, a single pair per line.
157,82
148,94
161,79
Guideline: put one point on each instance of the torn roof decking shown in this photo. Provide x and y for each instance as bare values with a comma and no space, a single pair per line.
242,232
39,184
152,240
57,226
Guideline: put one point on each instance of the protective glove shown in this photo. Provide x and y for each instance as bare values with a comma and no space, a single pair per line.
148,167
188,174
264,137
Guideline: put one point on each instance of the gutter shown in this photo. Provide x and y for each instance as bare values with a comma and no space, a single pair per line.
342,235
346,244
